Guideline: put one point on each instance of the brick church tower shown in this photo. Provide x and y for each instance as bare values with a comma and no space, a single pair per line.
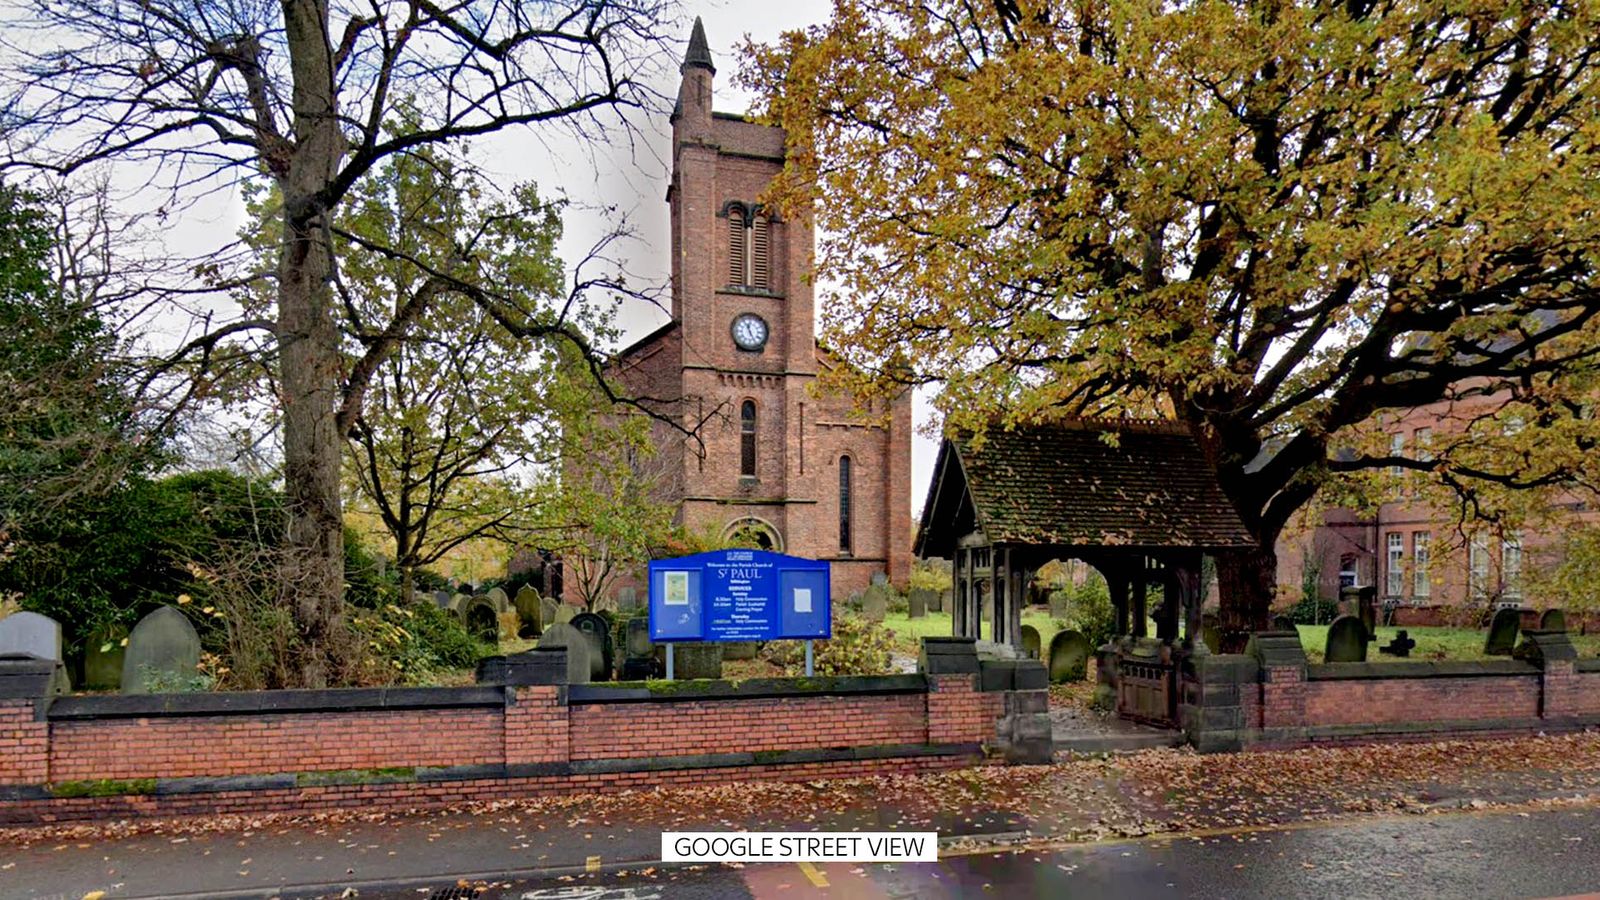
777,459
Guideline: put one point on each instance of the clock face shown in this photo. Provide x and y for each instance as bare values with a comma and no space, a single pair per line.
750,331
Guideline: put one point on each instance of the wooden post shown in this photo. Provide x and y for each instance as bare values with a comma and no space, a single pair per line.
1117,583
958,594
1141,606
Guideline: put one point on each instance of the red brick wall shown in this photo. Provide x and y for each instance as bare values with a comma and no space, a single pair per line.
24,744
1400,700
632,730
181,747
958,713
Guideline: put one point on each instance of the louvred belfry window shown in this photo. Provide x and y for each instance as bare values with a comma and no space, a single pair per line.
747,439
759,253
738,246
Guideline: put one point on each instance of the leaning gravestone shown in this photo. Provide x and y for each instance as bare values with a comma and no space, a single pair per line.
918,603
598,631
163,654
697,660
528,610
31,633
481,618
501,601
875,603
1069,656
1502,637
547,611
1347,640
577,645
102,658
1553,620
1030,642
565,613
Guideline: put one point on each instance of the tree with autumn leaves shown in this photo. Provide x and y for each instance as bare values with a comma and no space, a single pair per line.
1276,222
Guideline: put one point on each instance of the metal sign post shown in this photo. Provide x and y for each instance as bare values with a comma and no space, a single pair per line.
669,662
808,657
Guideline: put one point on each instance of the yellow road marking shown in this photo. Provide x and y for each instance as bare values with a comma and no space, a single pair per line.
592,864
813,874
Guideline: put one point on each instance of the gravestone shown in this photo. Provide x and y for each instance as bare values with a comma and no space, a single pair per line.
102,658
1400,646
697,660
163,654
943,600
879,579
1211,632
577,645
547,611
918,603
31,633
1347,640
598,631
499,599
739,650
1069,656
1553,620
1060,605
36,635
1369,615
565,612
875,603
440,599
528,608
455,603
988,607
481,618
628,598
1030,642
640,662
1502,637
1282,622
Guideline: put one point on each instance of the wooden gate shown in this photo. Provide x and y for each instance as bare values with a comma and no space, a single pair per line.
1147,691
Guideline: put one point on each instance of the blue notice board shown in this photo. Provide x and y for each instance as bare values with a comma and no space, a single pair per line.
739,595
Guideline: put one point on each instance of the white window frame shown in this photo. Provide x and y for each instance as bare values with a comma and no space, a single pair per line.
1394,583
1477,568
1421,582
1511,567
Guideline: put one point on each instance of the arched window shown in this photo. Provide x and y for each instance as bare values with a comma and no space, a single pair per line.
844,504
747,439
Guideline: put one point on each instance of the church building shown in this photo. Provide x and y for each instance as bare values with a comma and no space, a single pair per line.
775,459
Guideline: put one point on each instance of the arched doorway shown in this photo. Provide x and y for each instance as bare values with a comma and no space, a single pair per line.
752,531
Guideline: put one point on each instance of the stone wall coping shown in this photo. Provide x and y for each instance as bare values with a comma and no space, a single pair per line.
749,689
1447,669
230,703
1588,665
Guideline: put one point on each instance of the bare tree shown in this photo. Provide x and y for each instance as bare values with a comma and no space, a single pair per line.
306,92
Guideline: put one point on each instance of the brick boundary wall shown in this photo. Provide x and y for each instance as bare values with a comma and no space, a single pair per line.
98,757
1271,697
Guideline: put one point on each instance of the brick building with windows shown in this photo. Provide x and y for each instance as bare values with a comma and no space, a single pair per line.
799,471
1423,560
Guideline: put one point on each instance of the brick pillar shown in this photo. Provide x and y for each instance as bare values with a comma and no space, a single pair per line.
958,713
1553,653
25,684
536,725
1283,682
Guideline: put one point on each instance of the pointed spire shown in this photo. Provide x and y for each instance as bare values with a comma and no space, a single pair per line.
699,51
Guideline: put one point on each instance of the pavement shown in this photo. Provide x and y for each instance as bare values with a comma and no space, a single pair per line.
1317,820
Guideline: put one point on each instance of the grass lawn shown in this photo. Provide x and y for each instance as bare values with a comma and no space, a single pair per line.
909,632
1432,643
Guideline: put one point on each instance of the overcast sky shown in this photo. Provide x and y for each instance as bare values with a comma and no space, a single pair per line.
615,179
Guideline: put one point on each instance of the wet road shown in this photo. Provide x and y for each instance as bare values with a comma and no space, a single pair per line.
1546,853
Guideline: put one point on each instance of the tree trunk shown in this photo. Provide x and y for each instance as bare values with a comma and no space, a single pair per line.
313,577
1246,582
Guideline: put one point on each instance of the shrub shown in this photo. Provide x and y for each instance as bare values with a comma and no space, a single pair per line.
858,647
1090,610
1313,610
